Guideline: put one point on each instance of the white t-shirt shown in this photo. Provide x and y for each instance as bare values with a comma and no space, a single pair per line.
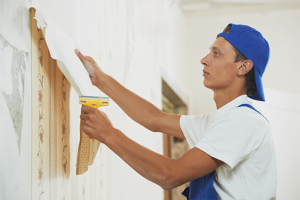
242,139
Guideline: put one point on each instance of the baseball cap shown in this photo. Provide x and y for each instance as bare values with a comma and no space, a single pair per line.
253,46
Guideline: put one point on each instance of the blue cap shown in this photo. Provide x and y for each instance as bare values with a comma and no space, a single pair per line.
254,47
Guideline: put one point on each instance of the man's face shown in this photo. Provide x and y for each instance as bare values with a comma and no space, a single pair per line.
220,70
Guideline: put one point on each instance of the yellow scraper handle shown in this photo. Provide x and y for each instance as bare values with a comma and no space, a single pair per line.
94,102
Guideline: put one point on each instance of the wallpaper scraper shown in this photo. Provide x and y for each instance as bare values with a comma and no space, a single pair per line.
88,147
93,101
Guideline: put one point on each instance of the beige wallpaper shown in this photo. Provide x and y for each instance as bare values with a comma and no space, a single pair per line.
54,142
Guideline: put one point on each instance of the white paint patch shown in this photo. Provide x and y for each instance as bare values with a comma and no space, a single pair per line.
26,72
9,155
41,23
27,62
15,24
5,69
20,84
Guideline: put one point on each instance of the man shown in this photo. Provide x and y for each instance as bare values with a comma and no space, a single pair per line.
232,154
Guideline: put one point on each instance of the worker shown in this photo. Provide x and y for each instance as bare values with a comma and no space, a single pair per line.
232,153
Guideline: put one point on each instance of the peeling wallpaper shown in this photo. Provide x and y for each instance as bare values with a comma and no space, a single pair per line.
15,24
15,105
13,67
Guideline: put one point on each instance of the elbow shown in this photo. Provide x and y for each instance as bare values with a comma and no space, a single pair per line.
153,126
167,187
167,181
156,123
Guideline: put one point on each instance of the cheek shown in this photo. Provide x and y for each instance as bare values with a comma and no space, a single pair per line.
224,74
229,75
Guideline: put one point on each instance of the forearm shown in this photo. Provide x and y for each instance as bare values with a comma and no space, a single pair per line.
137,108
152,166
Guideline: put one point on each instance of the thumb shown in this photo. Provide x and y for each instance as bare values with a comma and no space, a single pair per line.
80,56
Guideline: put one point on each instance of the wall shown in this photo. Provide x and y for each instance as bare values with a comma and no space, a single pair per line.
15,106
283,113
135,42
140,38
131,41
278,25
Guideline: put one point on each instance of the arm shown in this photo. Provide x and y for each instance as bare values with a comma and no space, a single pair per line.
137,108
165,172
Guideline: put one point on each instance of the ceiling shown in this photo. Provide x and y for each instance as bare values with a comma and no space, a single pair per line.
196,6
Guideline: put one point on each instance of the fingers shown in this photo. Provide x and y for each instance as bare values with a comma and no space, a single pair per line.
80,56
86,128
84,117
87,109
88,113
89,58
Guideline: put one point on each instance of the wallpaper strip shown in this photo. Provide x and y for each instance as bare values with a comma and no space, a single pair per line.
55,132
50,123
62,48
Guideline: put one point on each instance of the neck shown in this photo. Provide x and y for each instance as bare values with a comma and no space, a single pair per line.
221,98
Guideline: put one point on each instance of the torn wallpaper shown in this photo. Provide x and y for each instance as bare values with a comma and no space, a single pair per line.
15,111
61,48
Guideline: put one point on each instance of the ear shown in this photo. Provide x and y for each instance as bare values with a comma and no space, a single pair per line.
245,67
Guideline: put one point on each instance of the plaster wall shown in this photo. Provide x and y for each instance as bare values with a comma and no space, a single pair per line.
15,105
133,41
138,39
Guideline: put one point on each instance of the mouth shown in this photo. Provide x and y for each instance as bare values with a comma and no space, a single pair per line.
205,73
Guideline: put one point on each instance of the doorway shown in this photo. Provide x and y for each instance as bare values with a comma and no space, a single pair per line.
173,147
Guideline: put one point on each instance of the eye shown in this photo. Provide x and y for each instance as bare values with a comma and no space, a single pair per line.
216,53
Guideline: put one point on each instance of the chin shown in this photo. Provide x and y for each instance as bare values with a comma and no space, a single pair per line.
206,84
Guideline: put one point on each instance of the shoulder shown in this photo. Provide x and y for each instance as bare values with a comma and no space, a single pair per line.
251,115
194,127
241,120
194,118
236,116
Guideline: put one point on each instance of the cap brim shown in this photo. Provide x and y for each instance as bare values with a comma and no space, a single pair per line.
259,94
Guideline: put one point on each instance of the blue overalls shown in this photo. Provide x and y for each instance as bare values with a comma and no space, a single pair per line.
202,188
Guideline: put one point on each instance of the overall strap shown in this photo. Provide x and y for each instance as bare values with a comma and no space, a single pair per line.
201,188
250,106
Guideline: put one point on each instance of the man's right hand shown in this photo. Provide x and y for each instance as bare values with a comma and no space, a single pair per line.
91,66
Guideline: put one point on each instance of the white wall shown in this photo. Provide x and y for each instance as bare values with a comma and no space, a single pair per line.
140,38
283,113
280,26
15,105
131,41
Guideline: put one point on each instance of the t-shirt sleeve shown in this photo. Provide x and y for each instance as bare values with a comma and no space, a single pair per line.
230,139
193,127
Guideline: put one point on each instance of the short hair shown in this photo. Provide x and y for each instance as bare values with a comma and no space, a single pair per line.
249,77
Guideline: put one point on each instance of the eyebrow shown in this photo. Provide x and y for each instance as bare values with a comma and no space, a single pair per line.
215,48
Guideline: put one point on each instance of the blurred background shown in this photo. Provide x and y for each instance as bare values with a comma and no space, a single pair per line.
154,48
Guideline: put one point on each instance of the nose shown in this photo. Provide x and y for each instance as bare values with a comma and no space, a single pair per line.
205,61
